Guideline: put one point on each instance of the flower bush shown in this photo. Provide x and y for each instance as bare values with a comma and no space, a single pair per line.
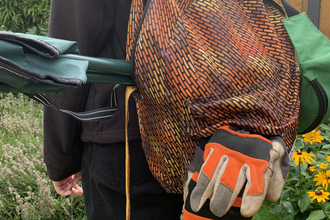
306,192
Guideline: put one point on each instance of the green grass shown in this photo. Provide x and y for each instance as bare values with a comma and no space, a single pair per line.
25,190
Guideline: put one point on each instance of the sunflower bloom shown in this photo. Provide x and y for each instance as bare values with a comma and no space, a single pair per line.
319,195
328,158
322,178
323,166
312,168
313,136
303,156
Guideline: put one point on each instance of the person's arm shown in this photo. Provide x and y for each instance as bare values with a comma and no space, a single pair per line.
89,23
62,143
83,22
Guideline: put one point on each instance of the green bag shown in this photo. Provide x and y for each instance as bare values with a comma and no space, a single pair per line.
313,52
35,64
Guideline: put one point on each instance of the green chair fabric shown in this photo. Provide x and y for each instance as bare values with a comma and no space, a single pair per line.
37,64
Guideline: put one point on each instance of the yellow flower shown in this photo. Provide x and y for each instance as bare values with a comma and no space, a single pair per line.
312,137
312,168
322,178
303,156
328,158
323,166
319,195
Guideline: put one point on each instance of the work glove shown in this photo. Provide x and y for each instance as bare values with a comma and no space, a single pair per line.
234,162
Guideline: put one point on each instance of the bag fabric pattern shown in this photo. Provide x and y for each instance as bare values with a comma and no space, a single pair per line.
199,65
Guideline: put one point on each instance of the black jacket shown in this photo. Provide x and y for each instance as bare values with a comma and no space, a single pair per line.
89,22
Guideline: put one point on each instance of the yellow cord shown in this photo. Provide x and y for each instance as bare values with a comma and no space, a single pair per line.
129,91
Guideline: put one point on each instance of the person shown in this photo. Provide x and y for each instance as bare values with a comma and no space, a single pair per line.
94,152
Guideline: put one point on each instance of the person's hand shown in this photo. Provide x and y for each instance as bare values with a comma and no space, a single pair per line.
69,186
230,163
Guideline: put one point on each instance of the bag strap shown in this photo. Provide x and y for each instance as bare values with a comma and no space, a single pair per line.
97,114
86,116
290,10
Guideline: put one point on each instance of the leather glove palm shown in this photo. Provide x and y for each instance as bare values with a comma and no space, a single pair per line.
234,162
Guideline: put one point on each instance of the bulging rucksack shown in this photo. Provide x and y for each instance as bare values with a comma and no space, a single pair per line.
198,65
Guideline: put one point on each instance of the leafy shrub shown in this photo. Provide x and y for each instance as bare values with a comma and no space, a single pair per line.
21,15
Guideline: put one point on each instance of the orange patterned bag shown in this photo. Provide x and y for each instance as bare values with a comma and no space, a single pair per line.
202,64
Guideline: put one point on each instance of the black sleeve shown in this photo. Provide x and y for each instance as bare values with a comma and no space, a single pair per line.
62,143
88,22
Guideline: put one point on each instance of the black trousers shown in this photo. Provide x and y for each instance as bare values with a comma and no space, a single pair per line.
103,180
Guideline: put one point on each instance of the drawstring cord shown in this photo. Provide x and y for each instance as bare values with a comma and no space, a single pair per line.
129,91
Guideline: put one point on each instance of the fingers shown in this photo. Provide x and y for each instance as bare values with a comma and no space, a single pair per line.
77,191
69,186
255,190
223,195
277,178
76,179
63,188
205,182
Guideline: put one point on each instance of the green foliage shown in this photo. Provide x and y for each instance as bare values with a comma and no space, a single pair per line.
304,179
21,15
25,190
41,30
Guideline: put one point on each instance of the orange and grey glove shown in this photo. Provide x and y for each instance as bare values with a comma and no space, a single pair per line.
234,162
